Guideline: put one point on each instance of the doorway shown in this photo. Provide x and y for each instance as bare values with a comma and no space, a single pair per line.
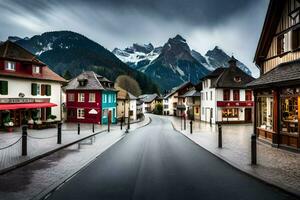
248,115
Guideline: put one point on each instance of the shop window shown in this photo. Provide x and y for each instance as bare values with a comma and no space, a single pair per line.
230,113
80,97
80,113
265,113
226,95
248,95
289,114
92,97
236,95
3,87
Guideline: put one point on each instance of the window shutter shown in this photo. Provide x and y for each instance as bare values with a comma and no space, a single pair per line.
5,87
43,90
48,90
33,89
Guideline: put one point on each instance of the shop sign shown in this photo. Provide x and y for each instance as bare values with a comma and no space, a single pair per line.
235,103
22,100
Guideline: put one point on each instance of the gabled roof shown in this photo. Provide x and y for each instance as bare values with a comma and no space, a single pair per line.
192,93
123,94
272,19
226,77
284,74
92,82
214,74
176,89
148,98
12,51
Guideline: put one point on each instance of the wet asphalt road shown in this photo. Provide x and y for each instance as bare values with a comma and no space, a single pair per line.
156,162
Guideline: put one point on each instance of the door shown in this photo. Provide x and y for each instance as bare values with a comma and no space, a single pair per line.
207,114
248,115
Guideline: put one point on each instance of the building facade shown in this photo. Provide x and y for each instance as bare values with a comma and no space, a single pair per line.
277,90
225,98
90,98
29,91
126,102
173,102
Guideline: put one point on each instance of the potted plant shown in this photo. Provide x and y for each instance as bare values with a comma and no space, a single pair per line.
9,125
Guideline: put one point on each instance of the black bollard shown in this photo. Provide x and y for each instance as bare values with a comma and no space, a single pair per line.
93,128
59,133
253,150
121,123
210,122
78,129
24,140
184,124
219,135
191,127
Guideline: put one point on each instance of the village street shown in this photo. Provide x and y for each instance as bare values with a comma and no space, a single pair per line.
156,162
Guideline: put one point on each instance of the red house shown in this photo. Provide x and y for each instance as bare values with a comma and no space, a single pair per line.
83,95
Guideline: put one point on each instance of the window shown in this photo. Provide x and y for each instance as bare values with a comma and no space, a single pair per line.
202,110
71,97
80,97
282,43
38,89
226,95
206,94
211,95
71,113
202,96
197,110
296,39
80,113
248,95
105,113
36,69
109,98
294,15
265,113
237,79
230,113
236,95
92,97
3,87
48,90
10,65
104,98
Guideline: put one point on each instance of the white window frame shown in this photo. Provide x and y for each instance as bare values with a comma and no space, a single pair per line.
71,97
81,97
92,97
38,89
36,69
9,65
80,113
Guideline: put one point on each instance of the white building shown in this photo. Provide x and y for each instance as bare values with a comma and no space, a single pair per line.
29,90
225,98
171,100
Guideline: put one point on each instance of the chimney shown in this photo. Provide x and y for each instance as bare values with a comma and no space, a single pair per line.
232,62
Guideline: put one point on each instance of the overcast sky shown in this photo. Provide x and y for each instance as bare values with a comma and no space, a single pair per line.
233,25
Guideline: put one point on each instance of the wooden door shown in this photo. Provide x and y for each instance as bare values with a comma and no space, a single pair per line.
248,115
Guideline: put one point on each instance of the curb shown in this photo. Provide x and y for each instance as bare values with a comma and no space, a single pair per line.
241,169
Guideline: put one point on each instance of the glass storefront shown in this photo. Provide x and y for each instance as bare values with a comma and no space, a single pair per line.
230,113
289,110
265,112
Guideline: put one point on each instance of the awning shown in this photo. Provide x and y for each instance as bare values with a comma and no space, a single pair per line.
26,106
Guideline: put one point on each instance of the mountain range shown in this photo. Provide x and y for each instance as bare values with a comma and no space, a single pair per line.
174,62
72,53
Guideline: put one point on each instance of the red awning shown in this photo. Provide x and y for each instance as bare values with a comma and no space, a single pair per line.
25,106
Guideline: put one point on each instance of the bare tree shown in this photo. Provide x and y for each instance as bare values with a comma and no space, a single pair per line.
129,84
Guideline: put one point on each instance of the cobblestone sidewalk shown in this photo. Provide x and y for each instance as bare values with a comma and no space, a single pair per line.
275,166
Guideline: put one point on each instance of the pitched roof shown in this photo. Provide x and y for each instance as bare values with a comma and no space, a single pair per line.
122,94
192,93
227,77
92,82
283,74
272,19
148,98
214,74
12,51
175,89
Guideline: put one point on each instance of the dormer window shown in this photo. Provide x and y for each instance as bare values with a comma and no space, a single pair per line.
36,69
9,65
237,79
